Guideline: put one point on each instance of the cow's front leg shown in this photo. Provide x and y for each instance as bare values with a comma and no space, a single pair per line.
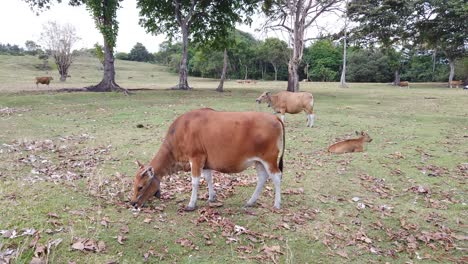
282,115
196,168
209,181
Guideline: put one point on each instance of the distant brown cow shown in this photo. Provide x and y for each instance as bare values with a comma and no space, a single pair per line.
455,83
291,103
350,145
43,80
404,84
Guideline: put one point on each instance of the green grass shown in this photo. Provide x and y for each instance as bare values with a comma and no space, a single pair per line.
409,132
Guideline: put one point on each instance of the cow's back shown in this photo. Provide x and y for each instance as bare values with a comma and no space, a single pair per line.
226,139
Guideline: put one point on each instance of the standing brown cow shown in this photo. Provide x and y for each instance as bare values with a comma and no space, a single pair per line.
291,103
43,80
456,83
404,84
205,140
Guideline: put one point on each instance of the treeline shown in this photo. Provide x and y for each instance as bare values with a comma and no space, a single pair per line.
267,59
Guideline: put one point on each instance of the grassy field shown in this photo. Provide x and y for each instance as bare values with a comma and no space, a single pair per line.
67,164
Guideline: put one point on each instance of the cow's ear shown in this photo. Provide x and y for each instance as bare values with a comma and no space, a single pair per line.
357,133
150,172
363,133
268,93
139,164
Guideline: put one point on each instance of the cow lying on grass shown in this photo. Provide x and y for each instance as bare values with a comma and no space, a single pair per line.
291,103
43,80
227,142
350,145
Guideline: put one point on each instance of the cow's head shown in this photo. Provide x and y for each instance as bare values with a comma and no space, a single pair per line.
264,97
146,184
365,136
50,78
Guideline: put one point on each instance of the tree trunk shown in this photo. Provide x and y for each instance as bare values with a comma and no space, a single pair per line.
263,71
298,50
397,77
434,58
276,72
223,74
293,77
452,71
108,83
183,70
343,71
245,77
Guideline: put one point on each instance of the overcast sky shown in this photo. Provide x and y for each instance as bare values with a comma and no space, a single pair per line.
19,23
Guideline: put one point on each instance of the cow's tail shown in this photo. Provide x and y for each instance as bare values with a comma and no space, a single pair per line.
280,164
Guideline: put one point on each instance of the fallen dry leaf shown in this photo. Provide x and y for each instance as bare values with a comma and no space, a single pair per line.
120,239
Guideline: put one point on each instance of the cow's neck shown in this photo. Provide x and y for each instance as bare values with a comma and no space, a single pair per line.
163,162
273,99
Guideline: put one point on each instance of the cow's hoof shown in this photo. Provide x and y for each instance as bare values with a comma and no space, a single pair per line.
247,205
190,208
213,200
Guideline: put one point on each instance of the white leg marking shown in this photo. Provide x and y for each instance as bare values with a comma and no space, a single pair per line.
262,177
209,179
276,177
311,118
282,118
193,198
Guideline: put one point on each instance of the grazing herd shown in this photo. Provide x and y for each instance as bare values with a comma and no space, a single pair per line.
204,140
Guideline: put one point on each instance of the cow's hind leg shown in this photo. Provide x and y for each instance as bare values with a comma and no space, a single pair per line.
209,180
276,178
262,177
310,114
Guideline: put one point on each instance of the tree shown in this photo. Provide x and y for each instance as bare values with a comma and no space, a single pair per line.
294,17
324,58
387,22
202,20
276,52
104,13
140,53
442,24
32,48
368,65
343,68
59,40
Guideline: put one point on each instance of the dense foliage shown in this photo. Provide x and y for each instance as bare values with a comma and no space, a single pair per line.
251,59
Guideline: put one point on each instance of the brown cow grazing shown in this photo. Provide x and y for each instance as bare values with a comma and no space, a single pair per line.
404,84
291,103
43,80
350,145
227,142
455,83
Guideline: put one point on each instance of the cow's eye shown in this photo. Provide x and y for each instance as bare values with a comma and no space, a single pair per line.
139,188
